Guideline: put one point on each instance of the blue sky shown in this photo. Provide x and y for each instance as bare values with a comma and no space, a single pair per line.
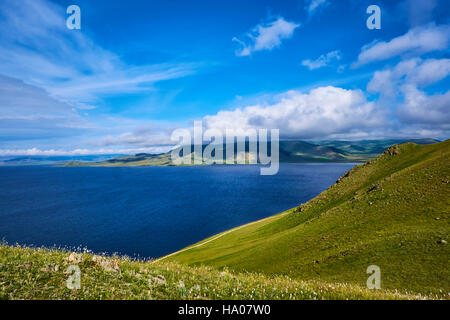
137,70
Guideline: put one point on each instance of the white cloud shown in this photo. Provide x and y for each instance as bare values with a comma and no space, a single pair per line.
314,5
403,85
430,71
417,72
323,112
266,36
421,108
322,61
416,41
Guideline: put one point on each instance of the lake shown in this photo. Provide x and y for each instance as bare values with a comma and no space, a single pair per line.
147,211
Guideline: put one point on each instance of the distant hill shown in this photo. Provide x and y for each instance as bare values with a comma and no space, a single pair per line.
51,160
370,148
290,152
392,211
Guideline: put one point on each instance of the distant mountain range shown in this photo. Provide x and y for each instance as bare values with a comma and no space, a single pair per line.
291,151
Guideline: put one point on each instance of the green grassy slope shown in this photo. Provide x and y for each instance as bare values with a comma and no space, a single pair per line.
42,274
392,212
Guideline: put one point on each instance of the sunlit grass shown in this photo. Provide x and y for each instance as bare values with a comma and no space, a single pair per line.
27,273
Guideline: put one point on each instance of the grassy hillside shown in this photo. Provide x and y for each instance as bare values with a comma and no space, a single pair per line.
392,211
41,274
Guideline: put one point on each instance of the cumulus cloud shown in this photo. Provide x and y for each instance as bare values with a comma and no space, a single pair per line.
322,112
322,61
265,36
418,41
417,72
421,108
404,85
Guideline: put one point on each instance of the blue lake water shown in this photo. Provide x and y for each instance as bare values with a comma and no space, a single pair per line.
147,211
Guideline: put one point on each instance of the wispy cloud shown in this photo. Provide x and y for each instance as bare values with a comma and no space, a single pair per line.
416,41
323,60
127,80
314,5
40,50
63,75
266,36
28,112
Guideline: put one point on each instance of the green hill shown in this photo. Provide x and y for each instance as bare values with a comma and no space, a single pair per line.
141,159
370,148
392,212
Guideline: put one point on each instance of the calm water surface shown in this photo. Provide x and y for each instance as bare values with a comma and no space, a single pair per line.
147,211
